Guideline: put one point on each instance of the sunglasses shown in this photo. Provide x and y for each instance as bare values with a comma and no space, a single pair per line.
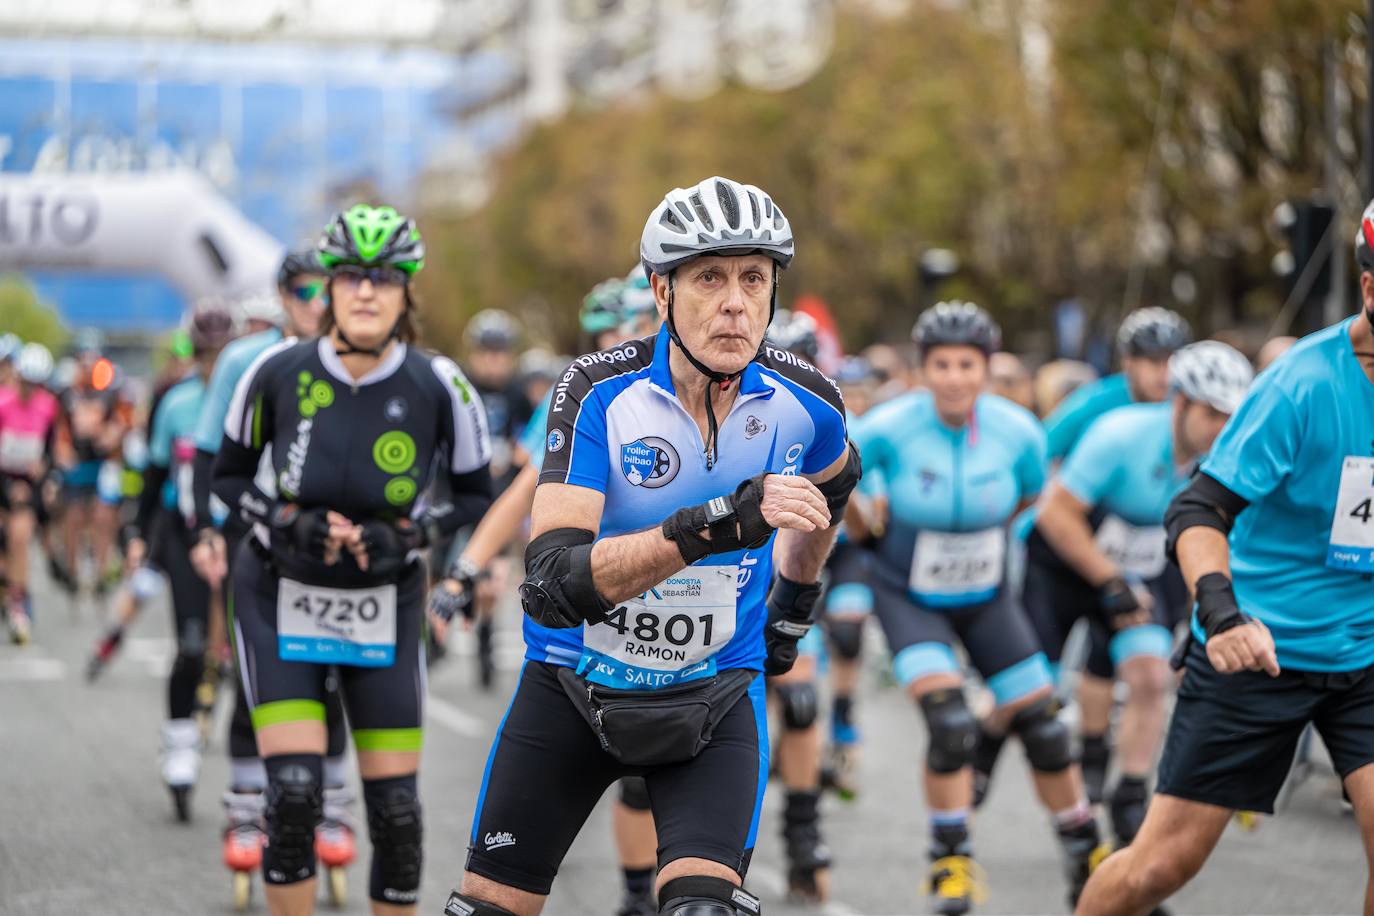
352,275
308,292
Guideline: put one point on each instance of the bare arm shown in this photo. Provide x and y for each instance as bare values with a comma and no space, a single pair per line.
622,566
1203,550
1062,519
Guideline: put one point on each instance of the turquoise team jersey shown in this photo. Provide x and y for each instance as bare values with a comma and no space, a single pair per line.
1124,464
172,444
1071,419
954,481
532,439
1284,451
231,366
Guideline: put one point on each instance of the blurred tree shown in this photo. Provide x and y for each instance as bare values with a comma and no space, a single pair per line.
1136,162
23,314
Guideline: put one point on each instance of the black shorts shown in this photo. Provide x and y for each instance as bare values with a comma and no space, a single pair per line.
384,704
34,499
1232,737
546,772
1055,598
999,641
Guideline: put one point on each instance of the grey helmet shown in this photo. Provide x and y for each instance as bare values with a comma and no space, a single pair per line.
794,332
1211,372
956,322
1152,332
717,216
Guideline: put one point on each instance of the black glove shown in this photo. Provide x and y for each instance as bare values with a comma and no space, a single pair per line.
388,545
1117,599
1217,608
297,531
734,521
791,612
445,604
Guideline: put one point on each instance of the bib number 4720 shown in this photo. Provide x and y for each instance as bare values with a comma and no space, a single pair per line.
324,609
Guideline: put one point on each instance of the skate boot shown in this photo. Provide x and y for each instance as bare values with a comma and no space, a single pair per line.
808,858
62,576
486,662
956,883
334,842
1083,852
180,762
104,651
840,770
244,838
1127,809
20,620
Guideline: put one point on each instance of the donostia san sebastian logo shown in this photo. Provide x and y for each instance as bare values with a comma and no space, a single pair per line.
649,462
394,453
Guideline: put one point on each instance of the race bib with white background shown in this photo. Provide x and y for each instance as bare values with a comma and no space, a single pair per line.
1352,533
1138,550
340,626
954,569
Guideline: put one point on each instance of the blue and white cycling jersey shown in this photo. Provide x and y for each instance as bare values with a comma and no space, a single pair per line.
232,364
950,492
1299,450
617,427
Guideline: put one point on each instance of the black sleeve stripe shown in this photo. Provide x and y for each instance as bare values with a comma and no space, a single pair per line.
795,369
574,388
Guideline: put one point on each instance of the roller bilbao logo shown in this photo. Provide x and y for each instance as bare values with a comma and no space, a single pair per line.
649,462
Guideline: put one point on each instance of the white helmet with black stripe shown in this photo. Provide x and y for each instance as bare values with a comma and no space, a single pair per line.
717,216
1211,372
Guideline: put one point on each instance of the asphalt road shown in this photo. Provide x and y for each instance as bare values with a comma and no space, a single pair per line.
86,826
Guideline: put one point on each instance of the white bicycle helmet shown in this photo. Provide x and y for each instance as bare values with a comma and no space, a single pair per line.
717,216
34,364
1152,331
1211,372
263,305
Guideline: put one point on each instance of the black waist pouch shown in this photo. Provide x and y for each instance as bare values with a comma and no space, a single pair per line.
656,727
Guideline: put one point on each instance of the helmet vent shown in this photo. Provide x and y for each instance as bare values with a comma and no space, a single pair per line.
729,205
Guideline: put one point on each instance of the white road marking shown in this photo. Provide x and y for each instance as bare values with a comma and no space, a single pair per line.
31,666
442,712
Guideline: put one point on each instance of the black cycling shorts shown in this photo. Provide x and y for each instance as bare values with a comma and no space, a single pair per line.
1232,737
996,635
384,705
546,772
1055,598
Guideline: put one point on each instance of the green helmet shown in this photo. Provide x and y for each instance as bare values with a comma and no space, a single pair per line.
601,308
372,237
180,344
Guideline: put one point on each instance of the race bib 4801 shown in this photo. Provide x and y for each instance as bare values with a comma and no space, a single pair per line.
667,635
1352,534
336,626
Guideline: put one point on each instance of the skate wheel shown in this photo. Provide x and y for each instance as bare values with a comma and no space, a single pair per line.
243,890
338,886
181,798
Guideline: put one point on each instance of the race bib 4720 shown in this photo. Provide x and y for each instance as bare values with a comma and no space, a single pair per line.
336,626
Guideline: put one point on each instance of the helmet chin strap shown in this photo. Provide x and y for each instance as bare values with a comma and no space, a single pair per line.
349,347
720,378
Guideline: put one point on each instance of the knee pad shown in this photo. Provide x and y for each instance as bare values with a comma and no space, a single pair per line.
846,636
293,805
459,905
701,895
394,824
799,705
953,731
1049,748
634,793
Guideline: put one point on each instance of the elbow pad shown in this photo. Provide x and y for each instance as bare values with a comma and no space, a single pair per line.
836,490
1204,503
558,590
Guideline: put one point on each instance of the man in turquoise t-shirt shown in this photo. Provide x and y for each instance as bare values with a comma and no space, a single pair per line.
1273,538
1145,341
